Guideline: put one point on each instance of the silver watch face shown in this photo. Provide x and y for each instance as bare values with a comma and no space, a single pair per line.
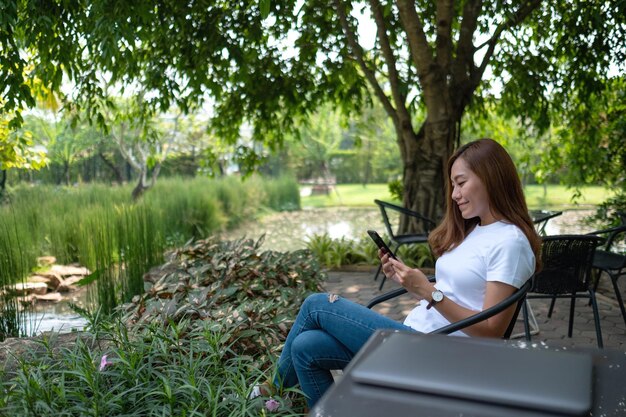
437,296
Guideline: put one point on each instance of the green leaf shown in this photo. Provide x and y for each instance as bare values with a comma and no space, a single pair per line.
90,278
264,6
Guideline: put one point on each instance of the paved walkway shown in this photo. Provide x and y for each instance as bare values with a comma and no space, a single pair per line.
360,287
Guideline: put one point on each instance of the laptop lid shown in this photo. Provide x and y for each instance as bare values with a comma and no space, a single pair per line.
481,370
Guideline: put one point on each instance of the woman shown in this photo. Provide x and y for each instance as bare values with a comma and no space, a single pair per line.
486,247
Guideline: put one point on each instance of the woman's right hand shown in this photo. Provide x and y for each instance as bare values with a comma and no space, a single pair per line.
413,280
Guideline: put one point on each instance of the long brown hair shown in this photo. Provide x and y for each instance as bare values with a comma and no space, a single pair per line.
495,168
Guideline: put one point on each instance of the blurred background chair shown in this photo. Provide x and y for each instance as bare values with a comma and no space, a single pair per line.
611,258
391,211
566,273
541,217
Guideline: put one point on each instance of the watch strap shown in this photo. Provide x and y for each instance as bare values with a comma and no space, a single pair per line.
432,299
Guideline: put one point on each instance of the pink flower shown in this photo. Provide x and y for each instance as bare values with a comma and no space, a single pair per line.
104,363
272,405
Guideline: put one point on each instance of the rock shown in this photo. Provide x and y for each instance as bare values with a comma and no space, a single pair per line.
46,260
67,270
52,283
38,278
71,280
53,280
61,277
25,288
63,287
12,349
66,284
51,296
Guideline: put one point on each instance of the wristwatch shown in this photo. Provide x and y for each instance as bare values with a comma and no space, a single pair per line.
435,297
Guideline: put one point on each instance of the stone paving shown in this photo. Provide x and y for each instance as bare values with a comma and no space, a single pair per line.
360,286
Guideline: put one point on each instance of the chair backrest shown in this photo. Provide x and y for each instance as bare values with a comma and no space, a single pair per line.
423,222
567,261
517,298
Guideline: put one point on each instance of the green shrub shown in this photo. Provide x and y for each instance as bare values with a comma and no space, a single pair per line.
209,329
396,189
335,253
161,371
282,194
611,212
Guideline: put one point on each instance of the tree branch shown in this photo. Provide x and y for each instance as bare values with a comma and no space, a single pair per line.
125,153
390,59
445,13
112,166
464,63
421,52
357,50
525,9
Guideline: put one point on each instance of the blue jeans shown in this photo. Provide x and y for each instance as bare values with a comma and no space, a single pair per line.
326,335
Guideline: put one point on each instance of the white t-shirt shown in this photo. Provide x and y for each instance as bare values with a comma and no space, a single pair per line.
496,252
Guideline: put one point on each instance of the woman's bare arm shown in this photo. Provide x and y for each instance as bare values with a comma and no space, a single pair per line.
417,284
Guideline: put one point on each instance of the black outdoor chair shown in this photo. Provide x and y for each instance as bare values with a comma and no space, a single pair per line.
540,219
566,273
614,264
397,240
516,298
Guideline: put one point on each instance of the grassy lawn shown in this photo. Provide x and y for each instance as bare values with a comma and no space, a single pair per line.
553,197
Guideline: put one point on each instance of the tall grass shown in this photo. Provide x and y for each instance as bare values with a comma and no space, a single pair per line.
140,246
99,227
13,256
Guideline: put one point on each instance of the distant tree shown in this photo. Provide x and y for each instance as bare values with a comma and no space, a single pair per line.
318,142
65,144
17,151
143,138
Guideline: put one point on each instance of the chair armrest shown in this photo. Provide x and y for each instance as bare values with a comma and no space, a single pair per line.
613,232
616,229
392,294
516,297
386,296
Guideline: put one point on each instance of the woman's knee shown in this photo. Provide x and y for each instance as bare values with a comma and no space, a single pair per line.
314,300
316,349
304,346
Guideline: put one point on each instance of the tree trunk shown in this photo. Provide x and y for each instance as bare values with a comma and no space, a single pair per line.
425,162
3,182
140,188
142,184
66,173
138,191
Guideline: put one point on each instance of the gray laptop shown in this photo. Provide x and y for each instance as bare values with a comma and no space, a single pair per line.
480,370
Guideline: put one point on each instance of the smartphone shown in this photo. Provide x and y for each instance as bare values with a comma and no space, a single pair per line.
381,243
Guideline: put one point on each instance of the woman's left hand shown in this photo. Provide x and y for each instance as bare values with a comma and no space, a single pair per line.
414,280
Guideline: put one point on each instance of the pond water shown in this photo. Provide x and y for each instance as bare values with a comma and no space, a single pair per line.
285,232
291,230
47,316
